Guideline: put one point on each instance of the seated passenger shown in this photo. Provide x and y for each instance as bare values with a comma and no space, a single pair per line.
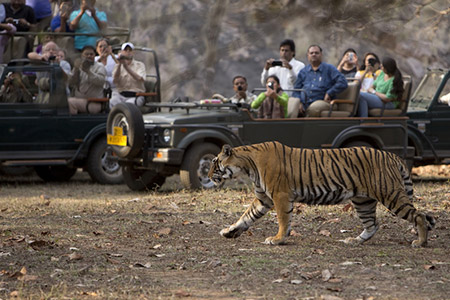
60,22
321,82
386,89
129,77
87,20
88,79
14,90
369,70
23,18
44,39
6,30
107,58
273,102
241,94
42,12
349,63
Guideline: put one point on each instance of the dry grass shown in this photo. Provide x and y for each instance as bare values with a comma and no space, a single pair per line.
87,241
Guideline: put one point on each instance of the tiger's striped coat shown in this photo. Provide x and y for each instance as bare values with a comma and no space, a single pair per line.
283,175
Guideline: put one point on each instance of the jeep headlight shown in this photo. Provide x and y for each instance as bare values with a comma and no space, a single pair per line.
166,136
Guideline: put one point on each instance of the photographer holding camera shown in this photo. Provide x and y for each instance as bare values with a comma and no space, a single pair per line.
272,103
22,17
286,69
368,71
241,94
129,77
349,63
88,78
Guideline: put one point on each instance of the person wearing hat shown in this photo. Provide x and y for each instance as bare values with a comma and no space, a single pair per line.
128,76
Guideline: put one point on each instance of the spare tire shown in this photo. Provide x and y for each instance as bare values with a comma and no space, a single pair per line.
128,117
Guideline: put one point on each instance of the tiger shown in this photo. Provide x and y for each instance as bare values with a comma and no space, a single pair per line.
283,175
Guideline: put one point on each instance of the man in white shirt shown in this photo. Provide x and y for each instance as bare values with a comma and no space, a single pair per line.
129,78
286,69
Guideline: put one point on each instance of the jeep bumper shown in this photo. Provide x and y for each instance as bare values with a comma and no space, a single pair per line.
167,156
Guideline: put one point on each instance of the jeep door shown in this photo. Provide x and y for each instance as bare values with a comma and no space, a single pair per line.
440,118
27,112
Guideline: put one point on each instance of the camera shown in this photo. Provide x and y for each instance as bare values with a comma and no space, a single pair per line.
51,58
270,85
372,61
350,56
240,88
16,21
277,63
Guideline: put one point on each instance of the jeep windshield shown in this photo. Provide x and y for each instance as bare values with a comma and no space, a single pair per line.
425,92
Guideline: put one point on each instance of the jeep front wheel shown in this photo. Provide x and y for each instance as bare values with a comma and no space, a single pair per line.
196,165
141,180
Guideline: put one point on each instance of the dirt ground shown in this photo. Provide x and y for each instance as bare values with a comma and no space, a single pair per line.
80,240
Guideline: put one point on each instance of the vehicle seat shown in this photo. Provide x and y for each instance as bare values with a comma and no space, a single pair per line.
150,95
293,107
103,101
346,102
399,111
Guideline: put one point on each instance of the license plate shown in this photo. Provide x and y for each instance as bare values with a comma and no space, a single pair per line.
117,138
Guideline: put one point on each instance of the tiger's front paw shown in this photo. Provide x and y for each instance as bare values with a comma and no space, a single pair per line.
231,232
418,244
273,240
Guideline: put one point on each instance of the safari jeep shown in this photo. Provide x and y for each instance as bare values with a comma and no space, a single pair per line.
36,129
184,137
429,123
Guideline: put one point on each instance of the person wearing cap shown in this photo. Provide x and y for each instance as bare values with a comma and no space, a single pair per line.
129,77
87,20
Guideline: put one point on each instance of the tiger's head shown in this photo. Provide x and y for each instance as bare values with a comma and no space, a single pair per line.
224,166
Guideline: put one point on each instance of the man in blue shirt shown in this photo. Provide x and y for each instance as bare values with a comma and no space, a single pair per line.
321,82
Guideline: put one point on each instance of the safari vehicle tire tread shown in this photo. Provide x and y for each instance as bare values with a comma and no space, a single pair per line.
135,131
55,173
141,180
189,168
100,168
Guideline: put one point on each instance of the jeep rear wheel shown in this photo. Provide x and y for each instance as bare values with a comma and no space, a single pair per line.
100,165
196,165
128,117
141,180
55,173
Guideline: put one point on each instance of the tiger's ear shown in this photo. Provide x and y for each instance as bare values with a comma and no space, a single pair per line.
227,150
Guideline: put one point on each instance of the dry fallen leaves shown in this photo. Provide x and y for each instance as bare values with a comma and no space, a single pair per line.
75,256
182,293
164,231
325,232
326,275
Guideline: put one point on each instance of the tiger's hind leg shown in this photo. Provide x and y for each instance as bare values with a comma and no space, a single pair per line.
403,208
257,209
366,209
